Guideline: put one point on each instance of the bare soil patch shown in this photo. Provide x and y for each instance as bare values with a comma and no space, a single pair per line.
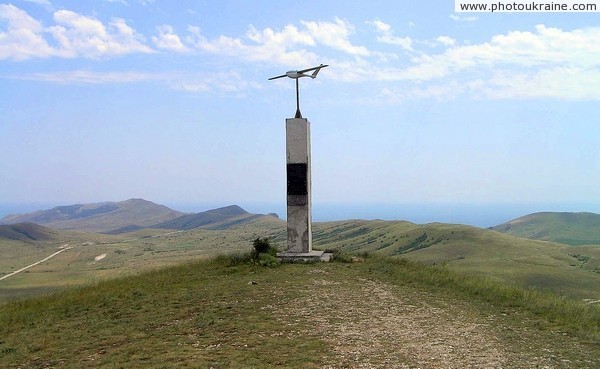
370,324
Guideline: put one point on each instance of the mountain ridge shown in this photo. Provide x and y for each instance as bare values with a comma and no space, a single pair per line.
132,215
98,217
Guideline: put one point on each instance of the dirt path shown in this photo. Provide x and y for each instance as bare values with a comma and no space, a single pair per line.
371,324
63,249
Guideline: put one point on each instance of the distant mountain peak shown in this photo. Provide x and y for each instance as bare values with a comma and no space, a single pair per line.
99,217
232,209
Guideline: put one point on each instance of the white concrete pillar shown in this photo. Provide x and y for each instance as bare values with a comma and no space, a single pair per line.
299,218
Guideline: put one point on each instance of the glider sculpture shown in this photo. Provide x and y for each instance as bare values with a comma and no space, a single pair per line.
297,74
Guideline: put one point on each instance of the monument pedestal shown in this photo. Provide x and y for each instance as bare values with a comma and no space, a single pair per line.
305,256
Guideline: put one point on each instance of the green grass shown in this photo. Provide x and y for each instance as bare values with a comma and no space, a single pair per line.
158,319
226,313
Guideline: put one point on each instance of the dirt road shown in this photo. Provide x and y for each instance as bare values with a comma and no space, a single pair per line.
63,249
370,324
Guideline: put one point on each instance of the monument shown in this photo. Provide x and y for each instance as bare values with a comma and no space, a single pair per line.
299,208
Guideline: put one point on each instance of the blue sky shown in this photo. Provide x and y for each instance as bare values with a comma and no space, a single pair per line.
169,101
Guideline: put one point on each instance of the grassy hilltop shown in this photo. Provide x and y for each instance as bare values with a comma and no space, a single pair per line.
230,313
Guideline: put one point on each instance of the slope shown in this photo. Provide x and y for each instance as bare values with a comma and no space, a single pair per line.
510,259
228,313
27,232
99,217
191,221
95,256
221,218
567,228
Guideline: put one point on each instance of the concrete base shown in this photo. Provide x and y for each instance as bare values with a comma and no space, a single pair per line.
304,256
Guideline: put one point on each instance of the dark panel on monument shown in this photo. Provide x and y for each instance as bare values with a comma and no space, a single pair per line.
297,183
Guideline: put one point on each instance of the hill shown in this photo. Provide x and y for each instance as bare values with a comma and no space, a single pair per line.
476,251
231,313
568,228
27,232
99,217
221,218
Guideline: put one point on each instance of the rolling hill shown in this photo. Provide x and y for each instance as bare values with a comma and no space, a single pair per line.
99,217
133,215
476,251
568,228
221,218
27,232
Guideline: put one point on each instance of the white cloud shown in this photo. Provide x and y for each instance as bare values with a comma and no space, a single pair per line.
335,35
288,46
386,35
75,36
90,77
23,38
226,83
78,35
445,40
545,63
561,83
463,19
284,47
548,47
168,40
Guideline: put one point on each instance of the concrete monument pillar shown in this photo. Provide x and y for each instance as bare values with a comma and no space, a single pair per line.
299,219
299,212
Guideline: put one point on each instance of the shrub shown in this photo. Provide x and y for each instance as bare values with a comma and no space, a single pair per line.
268,260
262,246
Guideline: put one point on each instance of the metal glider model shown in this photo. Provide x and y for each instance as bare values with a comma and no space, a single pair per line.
297,74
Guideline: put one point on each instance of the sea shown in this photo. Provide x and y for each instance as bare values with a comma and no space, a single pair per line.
478,215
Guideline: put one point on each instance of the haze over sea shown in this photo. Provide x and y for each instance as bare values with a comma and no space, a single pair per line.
478,215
